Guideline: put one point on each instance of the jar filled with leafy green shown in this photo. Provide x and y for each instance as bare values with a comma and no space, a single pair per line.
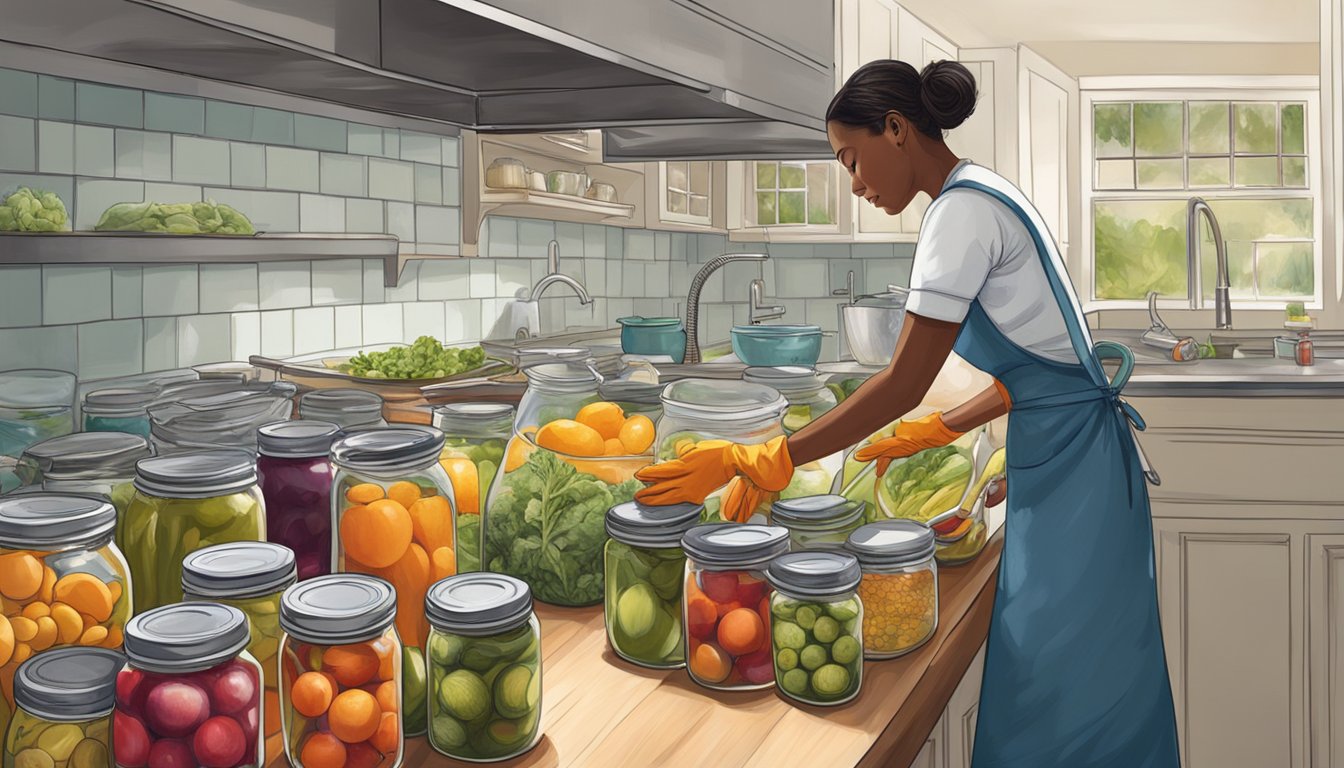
816,626
475,436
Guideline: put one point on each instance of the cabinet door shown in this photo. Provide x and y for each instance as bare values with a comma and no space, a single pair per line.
872,25
1045,144
1325,606
919,45
962,709
976,137
934,753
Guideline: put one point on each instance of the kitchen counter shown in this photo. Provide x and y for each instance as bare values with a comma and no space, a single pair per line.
1252,377
598,710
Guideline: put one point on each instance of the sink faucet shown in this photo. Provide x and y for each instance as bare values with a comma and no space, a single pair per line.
757,311
553,276
1222,303
693,300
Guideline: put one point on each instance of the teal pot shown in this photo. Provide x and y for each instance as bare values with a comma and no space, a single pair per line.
653,336
777,345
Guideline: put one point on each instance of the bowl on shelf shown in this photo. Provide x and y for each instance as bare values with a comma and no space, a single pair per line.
566,182
776,345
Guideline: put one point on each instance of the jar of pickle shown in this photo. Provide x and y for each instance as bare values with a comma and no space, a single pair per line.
119,410
393,508
183,503
294,471
190,693
816,626
250,576
818,522
695,410
35,405
62,580
229,419
341,701
727,604
572,457
485,667
475,436
349,408
644,571
899,587
87,463
64,714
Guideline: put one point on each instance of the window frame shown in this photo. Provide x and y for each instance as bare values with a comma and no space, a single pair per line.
1232,90
666,214
747,200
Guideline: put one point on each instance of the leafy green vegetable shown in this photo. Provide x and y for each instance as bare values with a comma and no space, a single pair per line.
546,527
1206,350
28,210
425,358
925,484
207,218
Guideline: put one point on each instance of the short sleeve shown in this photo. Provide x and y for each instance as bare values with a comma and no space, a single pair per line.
960,241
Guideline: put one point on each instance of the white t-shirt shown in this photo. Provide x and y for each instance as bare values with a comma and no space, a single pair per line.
972,247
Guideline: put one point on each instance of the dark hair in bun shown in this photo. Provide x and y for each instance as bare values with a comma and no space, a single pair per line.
937,99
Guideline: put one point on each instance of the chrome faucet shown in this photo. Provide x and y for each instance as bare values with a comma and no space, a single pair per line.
553,276
1222,303
757,311
693,300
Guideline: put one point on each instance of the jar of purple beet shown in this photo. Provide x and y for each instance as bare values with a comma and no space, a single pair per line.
295,474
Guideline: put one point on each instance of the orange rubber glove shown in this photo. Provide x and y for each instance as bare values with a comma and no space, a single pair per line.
741,499
707,466
910,438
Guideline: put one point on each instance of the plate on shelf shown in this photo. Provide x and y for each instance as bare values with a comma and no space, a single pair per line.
322,370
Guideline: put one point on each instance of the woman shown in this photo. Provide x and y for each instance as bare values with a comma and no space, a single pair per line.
1075,674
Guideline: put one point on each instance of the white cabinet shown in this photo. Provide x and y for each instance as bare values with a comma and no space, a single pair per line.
962,710
934,753
1325,608
1045,97
688,195
919,45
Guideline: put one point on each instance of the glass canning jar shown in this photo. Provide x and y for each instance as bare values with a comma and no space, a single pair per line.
727,604
119,410
475,437
250,576
64,714
485,667
182,503
808,399
229,419
645,568
393,508
349,408
190,693
341,673
62,580
295,473
816,626
35,405
899,588
89,463
818,522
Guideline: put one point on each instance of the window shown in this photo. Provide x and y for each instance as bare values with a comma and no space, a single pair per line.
1249,157
794,193
685,192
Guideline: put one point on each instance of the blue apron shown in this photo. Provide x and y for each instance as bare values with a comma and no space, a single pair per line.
1075,674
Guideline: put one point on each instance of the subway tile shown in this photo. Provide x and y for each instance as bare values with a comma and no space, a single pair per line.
288,168
18,143
391,143
272,126
579,315
646,307
170,290
55,147
462,320
285,284
320,213
570,239
391,180
94,196
20,296
491,321
503,238
407,285
344,175
903,268
481,280
632,279
681,279
314,328
175,114
828,251
718,323
110,349
871,251
143,155
203,339
615,242
741,314
106,105
55,98
422,318
824,312
450,149
349,327
795,310
594,276
268,211
247,165
658,279
316,132
798,279
364,216
225,120
382,323
53,347
445,279
639,245
173,193
200,161
18,93
245,335
364,139
534,238
277,333
160,343
620,307
737,277
128,286
662,246
613,277
401,221
452,186
839,270
338,282
712,290
538,270
229,288
374,290
428,184
679,247
435,224
421,148
711,245
511,277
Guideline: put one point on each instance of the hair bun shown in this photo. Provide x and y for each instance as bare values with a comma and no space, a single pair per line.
947,93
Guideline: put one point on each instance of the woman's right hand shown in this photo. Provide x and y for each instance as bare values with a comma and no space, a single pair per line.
910,438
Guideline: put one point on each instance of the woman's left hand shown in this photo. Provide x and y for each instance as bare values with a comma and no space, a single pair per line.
709,465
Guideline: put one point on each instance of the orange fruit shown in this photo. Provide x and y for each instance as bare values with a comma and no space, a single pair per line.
404,493
466,485
614,447
20,575
354,716
86,594
571,438
351,665
710,664
363,755
606,418
741,632
47,633
47,592
382,648
322,750
388,734
6,641
432,522
410,576
386,696
442,564
364,493
311,694
376,535
69,626
637,434
519,449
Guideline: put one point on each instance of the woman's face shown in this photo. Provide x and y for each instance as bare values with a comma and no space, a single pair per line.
878,163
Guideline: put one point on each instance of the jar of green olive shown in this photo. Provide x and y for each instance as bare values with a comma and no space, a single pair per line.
65,699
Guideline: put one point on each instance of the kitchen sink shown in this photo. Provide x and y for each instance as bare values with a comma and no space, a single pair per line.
1328,345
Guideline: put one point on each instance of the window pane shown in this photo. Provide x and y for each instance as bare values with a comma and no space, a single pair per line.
765,208
1140,246
1209,129
700,178
1210,172
676,201
1158,128
1257,129
1161,174
1110,127
1293,119
1243,222
1257,171
700,206
1295,171
1240,266
1115,174
820,194
765,175
676,176
792,176
1286,270
792,207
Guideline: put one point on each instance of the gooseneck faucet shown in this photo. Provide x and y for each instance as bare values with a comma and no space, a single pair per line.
554,275
1222,302
693,300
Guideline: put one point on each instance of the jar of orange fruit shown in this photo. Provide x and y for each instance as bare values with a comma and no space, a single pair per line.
573,456
393,510
475,436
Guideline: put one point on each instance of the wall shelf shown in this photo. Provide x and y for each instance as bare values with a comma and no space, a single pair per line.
545,205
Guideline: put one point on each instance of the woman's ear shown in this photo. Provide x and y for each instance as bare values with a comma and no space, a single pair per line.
896,128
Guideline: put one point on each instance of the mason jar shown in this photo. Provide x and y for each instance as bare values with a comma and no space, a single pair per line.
899,587
645,567
818,522
183,503
475,437
119,410
485,667
808,400
295,473
190,693
727,604
816,626
35,405
87,463
250,576
64,715
341,673
225,420
349,408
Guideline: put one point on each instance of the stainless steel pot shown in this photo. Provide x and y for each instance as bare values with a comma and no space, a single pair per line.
872,326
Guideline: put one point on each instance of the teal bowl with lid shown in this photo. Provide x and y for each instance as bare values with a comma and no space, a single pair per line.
777,345
653,336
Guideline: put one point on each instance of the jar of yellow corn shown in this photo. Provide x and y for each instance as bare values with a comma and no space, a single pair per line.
899,588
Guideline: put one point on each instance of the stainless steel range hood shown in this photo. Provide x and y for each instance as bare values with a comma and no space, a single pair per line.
752,140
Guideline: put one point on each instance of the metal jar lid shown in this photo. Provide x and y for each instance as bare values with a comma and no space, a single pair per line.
718,399
826,512
891,543
88,455
388,449
647,525
68,685
353,402
734,545
478,604
302,439
238,570
338,608
55,521
37,388
186,637
474,419
120,402
197,474
561,377
815,575
787,379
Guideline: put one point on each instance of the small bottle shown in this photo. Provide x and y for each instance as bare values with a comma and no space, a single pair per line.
1304,353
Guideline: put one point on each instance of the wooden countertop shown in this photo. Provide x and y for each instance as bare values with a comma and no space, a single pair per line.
598,710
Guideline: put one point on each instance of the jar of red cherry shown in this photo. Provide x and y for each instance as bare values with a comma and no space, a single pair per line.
190,693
